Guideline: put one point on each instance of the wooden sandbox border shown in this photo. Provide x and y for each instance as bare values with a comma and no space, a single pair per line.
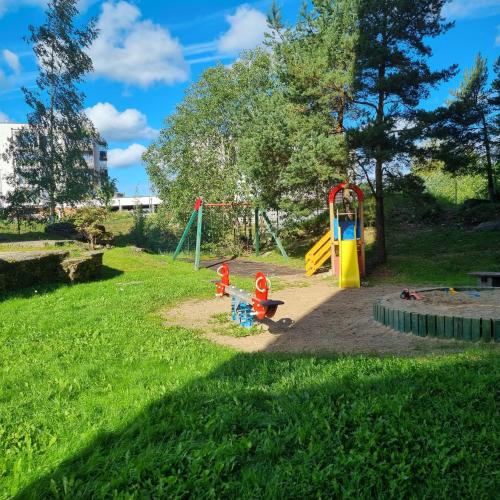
433,325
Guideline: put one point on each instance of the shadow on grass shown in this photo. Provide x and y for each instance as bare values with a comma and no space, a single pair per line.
107,273
299,426
29,236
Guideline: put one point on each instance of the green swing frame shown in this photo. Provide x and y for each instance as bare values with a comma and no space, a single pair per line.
197,215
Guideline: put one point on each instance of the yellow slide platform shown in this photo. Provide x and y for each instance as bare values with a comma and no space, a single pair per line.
349,266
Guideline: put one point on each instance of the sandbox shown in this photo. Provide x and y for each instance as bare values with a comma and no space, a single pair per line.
462,313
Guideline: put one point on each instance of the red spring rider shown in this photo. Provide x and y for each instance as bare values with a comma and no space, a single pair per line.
220,286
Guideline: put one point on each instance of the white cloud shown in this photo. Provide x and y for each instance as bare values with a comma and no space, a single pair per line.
121,126
12,59
120,158
135,51
4,118
460,9
497,39
246,30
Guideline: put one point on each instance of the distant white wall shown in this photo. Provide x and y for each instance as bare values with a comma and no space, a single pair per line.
129,202
6,168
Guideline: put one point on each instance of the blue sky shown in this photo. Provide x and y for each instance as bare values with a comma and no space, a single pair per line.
149,51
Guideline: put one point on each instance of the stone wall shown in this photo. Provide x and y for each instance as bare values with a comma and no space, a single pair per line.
85,268
25,269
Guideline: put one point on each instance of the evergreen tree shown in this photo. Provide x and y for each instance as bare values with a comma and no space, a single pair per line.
392,76
462,131
50,154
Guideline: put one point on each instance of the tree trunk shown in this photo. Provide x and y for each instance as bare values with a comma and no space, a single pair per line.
52,210
489,166
379,213
379,184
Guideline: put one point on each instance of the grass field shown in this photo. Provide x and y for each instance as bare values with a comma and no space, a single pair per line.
98,399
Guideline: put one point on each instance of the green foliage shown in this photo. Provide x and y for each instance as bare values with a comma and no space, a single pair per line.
89,221
479,211
139,226
107,189
49,155
453,189
408,184
127,407
462,131
19,209
196,153
420,210
392,77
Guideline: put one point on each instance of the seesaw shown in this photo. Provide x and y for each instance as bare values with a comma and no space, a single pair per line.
245,308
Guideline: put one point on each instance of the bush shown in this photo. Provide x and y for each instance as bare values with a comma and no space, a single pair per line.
89,221
410,185
401,209
450,189
65,229
474,212
139,227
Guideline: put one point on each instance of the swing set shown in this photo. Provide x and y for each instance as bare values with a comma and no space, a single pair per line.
197,215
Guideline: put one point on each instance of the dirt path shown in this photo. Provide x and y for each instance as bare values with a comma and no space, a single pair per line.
317,318
242,267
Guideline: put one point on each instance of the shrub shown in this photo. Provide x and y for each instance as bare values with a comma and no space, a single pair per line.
409,185
139,227
65,229
401,209
89,221
474,212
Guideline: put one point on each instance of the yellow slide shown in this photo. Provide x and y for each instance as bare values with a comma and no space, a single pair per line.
349,266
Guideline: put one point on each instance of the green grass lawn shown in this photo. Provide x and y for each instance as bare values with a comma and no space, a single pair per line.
99,399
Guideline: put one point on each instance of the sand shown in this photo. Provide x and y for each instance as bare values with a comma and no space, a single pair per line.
483,304
316,318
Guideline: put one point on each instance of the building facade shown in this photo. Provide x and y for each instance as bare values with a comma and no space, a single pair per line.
97,158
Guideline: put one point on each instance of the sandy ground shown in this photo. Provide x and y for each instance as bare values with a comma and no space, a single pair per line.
316,318
483,304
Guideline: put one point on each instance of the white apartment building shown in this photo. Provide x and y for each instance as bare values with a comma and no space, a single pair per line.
97,158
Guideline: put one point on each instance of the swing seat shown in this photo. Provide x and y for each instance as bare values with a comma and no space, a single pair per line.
271,303
271,306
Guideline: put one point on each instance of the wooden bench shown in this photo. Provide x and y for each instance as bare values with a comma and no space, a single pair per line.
487,279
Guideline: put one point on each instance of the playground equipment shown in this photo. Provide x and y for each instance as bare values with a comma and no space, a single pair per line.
198,214
344,242
244,307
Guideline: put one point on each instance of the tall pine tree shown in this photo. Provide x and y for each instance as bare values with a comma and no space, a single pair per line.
463,131
392,77
50,154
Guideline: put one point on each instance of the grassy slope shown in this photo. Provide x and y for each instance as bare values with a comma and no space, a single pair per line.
98,398
442,255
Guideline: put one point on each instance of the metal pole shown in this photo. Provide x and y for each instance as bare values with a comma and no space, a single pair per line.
198,238
257,233
274,235
185,234
332,228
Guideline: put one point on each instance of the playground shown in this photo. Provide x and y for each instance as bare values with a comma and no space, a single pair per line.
323,314
314,319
